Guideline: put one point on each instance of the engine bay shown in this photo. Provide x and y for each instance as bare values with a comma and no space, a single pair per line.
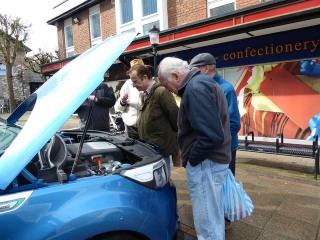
99,154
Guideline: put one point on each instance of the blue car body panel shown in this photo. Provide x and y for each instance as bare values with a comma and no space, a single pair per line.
56,100
71,211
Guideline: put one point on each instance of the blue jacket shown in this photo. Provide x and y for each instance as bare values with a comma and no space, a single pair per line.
203,122
234,113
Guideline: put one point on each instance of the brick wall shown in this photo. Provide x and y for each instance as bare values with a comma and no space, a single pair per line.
248,3
180,12
61,40
81,32
185,11
108,19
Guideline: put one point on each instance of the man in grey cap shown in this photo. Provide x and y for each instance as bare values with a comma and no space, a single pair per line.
207,65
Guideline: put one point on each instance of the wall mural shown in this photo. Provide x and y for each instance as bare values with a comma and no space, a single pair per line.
279,98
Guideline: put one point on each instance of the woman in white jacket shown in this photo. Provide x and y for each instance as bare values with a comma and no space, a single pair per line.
129,105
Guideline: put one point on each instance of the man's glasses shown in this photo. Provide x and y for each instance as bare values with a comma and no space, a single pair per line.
134,82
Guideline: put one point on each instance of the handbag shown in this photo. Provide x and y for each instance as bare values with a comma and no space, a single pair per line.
238,204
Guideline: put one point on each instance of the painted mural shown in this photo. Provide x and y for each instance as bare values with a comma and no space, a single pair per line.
279,98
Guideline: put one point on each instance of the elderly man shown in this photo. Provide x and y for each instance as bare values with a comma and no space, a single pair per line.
204,139
207,65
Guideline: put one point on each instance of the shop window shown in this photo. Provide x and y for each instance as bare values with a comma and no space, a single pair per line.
220,7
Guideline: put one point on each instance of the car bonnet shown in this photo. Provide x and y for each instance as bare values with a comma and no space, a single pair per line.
56,100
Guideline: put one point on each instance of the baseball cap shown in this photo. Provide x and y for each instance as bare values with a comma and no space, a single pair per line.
202,59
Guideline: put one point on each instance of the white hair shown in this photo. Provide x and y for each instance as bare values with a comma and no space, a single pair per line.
172,64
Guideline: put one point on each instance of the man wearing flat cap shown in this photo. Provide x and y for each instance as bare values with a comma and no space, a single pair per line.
202,60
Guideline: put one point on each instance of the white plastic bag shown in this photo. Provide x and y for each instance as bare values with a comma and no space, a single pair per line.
238,204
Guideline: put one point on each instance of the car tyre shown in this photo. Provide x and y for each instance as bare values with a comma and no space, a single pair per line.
121,236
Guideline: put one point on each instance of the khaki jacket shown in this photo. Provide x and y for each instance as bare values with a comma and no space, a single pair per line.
157,121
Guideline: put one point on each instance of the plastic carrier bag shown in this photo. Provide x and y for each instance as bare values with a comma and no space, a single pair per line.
238,204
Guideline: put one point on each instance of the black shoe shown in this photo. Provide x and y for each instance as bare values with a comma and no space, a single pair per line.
227,224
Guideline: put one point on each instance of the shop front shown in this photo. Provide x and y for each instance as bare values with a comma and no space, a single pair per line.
270,54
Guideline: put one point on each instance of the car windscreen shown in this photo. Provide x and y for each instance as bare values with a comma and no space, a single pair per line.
7,134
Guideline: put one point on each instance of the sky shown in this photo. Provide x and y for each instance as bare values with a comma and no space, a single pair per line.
36,13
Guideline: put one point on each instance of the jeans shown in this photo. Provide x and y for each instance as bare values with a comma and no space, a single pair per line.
205,187
167,159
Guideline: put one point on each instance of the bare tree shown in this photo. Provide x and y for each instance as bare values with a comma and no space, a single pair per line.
13,35
34,62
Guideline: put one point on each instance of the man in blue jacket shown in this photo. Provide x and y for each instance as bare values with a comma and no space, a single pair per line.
207,65
204,139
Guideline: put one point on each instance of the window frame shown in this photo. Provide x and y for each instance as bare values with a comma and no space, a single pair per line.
150,13
69,49
121,14
161,16
218,3
94,11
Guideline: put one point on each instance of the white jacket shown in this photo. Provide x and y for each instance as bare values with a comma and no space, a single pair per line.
130,112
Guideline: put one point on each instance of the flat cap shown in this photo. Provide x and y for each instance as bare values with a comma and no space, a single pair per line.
202,59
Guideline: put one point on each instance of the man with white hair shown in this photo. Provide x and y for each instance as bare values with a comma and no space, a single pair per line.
207,65
204,139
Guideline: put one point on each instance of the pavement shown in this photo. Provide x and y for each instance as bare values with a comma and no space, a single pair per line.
284,192
285,195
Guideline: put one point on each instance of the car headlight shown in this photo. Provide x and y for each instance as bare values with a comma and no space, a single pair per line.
154,175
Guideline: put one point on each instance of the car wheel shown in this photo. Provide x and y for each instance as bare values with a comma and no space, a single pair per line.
120,236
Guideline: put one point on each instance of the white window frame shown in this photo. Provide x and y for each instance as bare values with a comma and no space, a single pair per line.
92,11
139,20
69,50
217,3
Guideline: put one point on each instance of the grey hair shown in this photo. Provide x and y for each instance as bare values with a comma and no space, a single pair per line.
212,68
172,64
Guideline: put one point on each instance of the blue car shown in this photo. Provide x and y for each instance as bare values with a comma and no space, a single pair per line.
73,184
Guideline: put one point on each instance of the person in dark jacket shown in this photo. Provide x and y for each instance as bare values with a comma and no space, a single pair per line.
207,65
157,122
205,141
102,99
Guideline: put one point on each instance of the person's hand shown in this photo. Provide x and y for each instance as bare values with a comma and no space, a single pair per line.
124,98
92,98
